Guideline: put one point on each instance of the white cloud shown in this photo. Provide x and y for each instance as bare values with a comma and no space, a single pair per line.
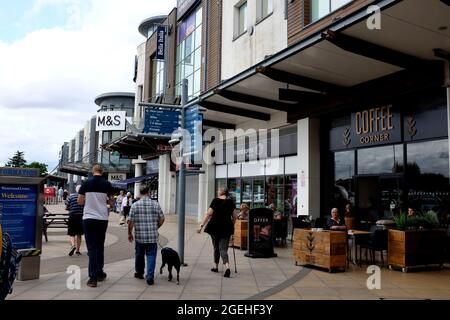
49,79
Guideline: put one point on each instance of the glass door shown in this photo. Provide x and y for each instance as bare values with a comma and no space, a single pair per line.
258,193
247,191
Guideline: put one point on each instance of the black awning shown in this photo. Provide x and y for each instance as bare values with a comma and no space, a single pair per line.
135,145
123,184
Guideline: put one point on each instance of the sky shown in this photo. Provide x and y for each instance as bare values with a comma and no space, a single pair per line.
56,56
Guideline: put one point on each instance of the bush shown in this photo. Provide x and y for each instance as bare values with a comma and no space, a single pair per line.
426,221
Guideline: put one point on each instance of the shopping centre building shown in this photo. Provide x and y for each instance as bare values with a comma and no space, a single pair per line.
357,90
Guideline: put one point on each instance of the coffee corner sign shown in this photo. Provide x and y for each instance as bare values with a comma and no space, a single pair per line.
111,121
370,127
375,125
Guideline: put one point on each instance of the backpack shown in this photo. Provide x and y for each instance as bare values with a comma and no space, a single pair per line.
9,265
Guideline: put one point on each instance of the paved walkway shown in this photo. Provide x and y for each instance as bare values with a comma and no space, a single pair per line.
276,278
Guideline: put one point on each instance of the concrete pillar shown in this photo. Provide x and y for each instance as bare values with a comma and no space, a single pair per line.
138,171
206,190
71,184
308,185
166,185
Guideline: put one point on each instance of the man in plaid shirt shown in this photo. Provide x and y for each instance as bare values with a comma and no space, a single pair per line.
146,217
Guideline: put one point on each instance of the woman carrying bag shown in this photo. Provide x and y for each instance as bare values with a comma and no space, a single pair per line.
219,221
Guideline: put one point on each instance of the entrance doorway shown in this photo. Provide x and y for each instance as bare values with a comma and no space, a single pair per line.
378,196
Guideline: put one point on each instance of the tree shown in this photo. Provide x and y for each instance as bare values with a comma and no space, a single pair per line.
43,168
17,160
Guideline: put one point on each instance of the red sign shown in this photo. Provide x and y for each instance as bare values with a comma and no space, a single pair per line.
50,192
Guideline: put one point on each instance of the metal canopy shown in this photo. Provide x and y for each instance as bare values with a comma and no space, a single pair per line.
342,58
135,145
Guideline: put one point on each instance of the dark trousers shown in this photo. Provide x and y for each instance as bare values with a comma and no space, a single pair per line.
95,233
146,250
220,245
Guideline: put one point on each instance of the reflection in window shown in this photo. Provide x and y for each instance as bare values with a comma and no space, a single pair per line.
241,19
274,191
234,187
321,8
158,78
258,193
290,196
188,57
265,8
344,170
247,192
379,160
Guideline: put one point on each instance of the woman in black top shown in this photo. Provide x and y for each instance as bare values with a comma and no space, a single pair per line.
220,226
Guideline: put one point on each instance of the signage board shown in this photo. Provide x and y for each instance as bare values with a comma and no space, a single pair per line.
260,234
111,121
194,125
18,212
117,176
161,43
161,121
370,127
19,172
152,166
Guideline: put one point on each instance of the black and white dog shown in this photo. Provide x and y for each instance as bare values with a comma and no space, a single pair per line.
172,259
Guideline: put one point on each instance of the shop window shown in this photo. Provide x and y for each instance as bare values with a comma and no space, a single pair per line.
290,196
321,8
264,9
275,192
158,78
234,187
428,175
344,171
258,193
188,56
241,19
380,160
247,192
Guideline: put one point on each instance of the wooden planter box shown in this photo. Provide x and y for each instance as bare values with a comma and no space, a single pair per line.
350,223
416,248
324,249
241,234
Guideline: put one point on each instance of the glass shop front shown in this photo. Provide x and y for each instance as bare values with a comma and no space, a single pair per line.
386,158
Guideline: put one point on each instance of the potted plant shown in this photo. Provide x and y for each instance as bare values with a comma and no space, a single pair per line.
350,220
416,241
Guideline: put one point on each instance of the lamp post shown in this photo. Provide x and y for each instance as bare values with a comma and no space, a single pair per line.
181,206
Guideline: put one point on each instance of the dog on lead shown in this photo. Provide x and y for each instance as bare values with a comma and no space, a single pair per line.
172,259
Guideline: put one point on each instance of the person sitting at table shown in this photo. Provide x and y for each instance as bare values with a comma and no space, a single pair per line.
411,211
335,223
243,215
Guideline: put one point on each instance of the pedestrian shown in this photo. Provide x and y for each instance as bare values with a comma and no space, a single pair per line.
146,217
219,221
118,203
75,225
94,195
60,194
65,194
126,206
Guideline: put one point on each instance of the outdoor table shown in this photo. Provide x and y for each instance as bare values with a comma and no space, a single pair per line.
355,235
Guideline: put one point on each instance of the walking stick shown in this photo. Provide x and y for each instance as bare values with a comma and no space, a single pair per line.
234,255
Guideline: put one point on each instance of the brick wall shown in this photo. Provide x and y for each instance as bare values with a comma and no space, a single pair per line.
299,26
214,48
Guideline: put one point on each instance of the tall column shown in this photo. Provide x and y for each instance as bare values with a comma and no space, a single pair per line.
308,184
138,171
166,185
206,189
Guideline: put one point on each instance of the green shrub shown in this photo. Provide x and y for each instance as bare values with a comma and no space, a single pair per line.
426,221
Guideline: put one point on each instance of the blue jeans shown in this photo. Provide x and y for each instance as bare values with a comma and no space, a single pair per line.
148,250
95,233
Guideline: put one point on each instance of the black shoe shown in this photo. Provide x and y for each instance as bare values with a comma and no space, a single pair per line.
150,282
215,270
138,276
101,277
72,250
78,253
92,283
227,273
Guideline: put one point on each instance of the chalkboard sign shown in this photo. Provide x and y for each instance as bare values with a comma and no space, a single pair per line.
260,234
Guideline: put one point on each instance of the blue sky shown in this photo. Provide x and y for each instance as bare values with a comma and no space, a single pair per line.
56,56
18,18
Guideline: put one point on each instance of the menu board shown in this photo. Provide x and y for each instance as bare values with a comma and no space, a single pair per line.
260,234
18,210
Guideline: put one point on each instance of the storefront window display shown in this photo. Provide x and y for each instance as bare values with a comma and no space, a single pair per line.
275,192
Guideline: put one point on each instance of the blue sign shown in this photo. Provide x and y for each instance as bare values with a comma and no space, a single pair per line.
194,124
19,172
161,43
161,122
18,211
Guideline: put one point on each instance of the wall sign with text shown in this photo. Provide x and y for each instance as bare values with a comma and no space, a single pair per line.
111,121
371,127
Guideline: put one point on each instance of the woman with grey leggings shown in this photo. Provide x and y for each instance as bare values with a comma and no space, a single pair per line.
219,221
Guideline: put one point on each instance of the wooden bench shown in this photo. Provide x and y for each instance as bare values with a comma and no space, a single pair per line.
54,220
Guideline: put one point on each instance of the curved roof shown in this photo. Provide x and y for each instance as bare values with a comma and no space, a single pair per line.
109,95
147,23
